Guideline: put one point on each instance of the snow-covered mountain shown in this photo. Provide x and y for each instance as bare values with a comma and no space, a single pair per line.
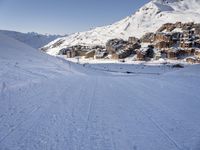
32,39
147,19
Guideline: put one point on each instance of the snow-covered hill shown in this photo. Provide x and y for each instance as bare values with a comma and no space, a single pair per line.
46,104
20,63
147,19
32,39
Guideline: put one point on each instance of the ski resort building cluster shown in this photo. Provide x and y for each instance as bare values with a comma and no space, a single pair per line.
171,41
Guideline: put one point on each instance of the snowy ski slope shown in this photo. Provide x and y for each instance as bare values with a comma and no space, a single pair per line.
51,104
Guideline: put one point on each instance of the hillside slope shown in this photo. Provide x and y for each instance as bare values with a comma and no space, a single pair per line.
21,64
32,39
47,103
147,19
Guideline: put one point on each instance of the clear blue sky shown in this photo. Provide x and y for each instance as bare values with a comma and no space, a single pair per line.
63,16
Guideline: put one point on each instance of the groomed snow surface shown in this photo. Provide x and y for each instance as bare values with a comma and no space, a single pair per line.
48,103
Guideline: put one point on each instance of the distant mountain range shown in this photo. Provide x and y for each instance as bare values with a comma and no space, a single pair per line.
32,39
147,19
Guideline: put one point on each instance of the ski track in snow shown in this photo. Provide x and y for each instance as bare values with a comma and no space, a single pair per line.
3,88
98,112
157,125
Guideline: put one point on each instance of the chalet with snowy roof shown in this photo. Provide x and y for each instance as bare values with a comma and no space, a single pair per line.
197,43
186,44
197,29
121,54
133,40
182,53
192,60
114,45
132,47
162,44
158,37
141,55
81,53
188,26
168,27
145,53
178,24
162,40
175,36
76,51
63,51
90,54
71,53
172,54
119,49
197,53
160,54
187,38
169,53
100,53
125,51
147,38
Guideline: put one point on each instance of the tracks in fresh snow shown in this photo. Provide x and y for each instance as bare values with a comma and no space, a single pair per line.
90,109
91,104
3,88
94,112
163,131
141,107
20,123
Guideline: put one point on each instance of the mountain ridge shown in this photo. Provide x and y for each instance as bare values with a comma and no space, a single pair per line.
147,19
33,39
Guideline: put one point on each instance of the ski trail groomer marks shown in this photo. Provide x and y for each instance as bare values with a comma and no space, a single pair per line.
90,109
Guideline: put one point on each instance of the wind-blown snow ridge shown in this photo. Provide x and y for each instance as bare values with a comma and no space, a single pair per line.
147,19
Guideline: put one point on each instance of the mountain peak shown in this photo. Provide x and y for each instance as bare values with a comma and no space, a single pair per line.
166,1
147,19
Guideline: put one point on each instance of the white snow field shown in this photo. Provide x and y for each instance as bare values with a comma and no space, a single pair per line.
32,39
148,18
48,103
